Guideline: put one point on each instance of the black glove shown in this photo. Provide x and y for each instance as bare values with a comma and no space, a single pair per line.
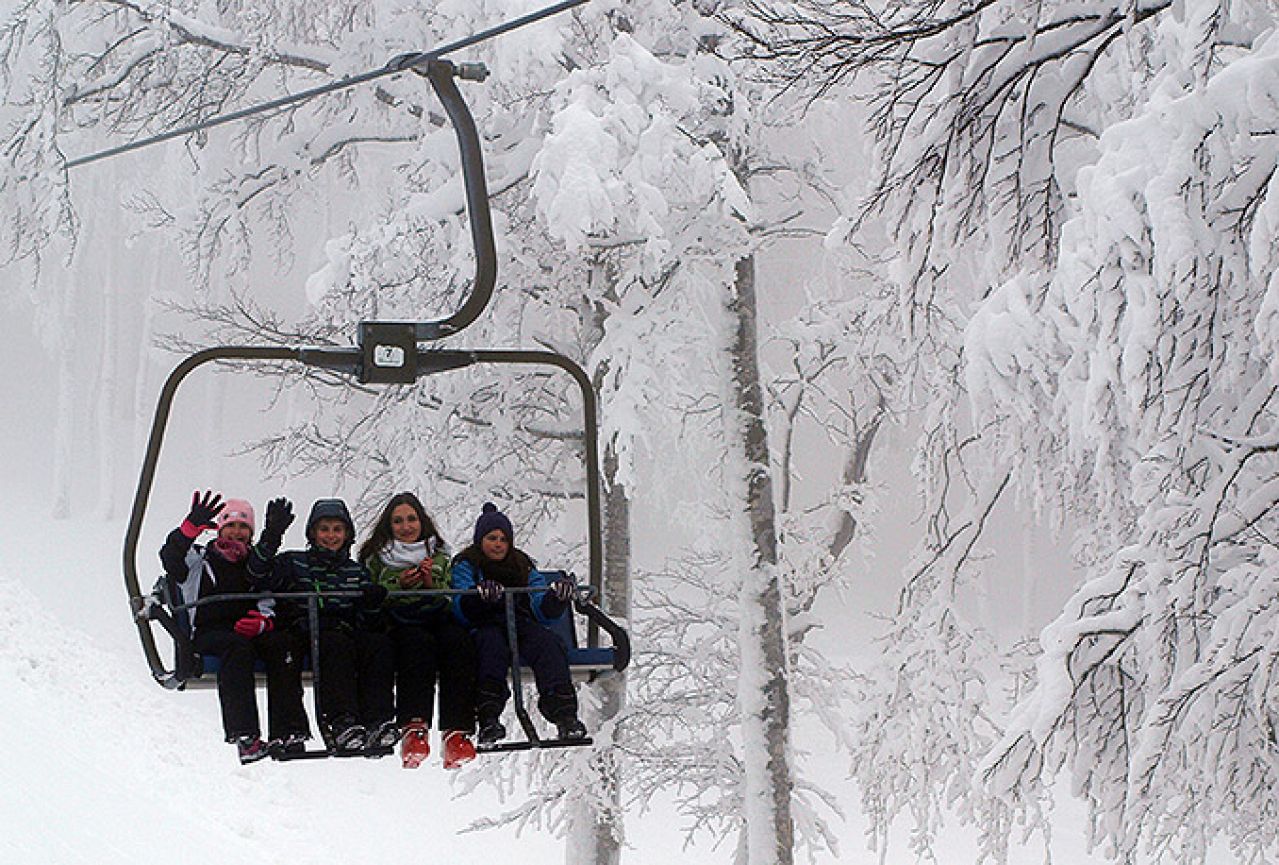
490,591
563,589
279,516
204,509
372,596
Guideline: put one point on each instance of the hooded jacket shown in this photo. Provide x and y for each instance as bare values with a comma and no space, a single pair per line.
316,569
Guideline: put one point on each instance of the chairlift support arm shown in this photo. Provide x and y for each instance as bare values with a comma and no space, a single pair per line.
441,73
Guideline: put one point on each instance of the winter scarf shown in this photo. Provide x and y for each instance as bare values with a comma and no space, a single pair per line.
512,571
233,551
400,556
387,566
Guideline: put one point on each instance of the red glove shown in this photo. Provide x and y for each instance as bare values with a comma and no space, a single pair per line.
254,624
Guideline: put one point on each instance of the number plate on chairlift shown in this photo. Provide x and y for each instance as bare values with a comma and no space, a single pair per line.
390,352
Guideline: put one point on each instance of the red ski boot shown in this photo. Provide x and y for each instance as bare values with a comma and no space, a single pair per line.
415,747
457,749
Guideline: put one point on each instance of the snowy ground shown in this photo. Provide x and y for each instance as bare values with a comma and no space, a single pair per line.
133,770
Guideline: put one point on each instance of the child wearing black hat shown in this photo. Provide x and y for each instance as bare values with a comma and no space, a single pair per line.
357,666
490,565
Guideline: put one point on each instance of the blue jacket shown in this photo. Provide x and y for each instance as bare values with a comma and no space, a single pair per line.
469,567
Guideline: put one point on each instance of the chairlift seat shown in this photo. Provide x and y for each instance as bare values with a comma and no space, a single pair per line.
583,661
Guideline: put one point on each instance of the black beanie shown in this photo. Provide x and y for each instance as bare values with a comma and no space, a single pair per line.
491,518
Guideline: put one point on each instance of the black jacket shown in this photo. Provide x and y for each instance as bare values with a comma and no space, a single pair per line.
316,569
200,572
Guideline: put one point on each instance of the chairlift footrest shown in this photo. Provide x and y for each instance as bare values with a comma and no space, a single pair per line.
290,756
499,747
371,753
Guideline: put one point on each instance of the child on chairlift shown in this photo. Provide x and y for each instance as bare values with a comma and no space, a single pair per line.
492,564
405,551
240,632
357,672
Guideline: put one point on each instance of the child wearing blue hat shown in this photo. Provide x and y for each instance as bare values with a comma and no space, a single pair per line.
492,564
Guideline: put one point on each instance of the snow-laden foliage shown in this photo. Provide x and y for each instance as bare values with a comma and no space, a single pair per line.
682,722
1081,196
1158,681
621,154
37,208
982,112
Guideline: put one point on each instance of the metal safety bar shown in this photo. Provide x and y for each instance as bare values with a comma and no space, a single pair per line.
159,610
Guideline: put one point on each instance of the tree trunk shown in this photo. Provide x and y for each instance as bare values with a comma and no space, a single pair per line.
65,417
597,829
106,395
145,364
854,473
763,696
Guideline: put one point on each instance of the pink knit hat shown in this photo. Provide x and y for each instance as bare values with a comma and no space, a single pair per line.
236,511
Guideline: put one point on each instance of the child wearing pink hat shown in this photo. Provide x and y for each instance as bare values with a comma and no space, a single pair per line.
240,632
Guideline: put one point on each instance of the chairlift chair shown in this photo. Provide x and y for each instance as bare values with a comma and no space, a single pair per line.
390,353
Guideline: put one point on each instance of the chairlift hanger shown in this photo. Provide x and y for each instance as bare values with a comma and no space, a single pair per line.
387,352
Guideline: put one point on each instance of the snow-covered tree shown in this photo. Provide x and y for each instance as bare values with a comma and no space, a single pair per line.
1080,196
621,161
1157,687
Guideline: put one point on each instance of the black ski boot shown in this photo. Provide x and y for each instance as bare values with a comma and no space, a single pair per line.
490,700
348,736
570,728
560,708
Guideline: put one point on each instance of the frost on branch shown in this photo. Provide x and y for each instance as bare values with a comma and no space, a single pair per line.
1158,690
36,206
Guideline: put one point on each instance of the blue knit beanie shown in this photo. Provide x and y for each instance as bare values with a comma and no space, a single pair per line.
491,518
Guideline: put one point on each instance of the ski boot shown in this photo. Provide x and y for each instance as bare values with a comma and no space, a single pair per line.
415,747
251,749
384,735
490,700
458,749
491,731
287,746
560,708
348,736
570,728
